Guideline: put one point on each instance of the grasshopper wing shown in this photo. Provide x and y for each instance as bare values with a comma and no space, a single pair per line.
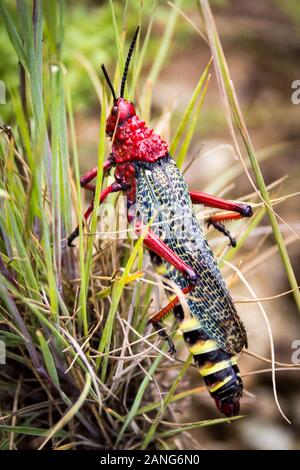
162,193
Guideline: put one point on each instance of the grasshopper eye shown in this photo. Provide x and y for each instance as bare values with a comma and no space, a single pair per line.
114,111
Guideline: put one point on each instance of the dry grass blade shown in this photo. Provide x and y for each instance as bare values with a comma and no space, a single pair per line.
241,276
71,413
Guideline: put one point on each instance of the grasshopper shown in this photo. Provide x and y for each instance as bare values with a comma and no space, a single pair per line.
147,174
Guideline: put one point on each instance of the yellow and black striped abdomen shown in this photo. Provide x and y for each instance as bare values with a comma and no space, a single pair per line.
217,367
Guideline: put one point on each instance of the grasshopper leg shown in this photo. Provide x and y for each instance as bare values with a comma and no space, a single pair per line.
91,174
235,210
221,228
161,251
162,332
156,319
112,188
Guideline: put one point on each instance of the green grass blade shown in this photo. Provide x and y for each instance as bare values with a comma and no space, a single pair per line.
101,155
150,434
159,61
187,141
198,425
175,397
14,36
48,358
83,290
141,54
65,190
140,394
118,287
15,314
71,412
29,431
188,111
165,45
118,43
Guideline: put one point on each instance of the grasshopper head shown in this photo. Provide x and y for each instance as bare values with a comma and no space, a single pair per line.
121,111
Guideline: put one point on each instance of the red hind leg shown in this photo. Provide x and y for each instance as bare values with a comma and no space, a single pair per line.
164,311
208,200
155,244
237,211
160,249
156,319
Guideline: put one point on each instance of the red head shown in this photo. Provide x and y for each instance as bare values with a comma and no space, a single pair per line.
120,112
122,109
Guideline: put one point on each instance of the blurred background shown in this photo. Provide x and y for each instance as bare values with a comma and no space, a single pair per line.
261,41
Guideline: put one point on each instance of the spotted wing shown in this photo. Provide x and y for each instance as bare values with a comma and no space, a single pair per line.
162,193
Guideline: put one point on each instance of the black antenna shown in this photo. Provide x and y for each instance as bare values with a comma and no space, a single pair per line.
109,82
128,61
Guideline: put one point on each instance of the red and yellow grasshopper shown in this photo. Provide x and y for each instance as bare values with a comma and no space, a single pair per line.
147,174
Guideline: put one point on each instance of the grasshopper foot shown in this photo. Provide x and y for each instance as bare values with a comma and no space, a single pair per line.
72,237
221,228
162,332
